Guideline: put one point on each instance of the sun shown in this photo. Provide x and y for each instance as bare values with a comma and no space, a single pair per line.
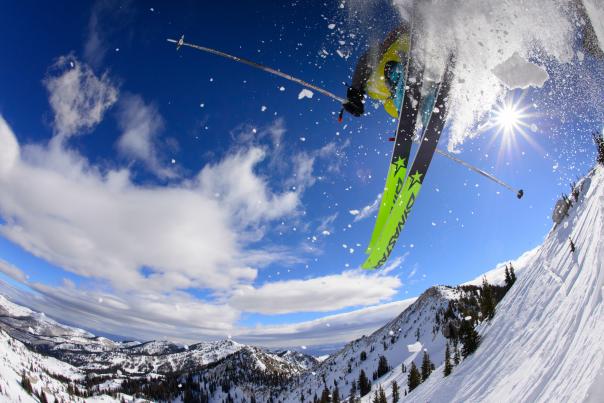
510,120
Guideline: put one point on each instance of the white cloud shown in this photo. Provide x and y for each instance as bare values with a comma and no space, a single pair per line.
107,19
326,226
194,235
78,98
320,294
12,271
140,124
233,184
366,211
101,225
136,314
342,327
393,264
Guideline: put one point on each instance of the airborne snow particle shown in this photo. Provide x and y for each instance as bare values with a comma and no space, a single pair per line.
331,26
326,233
282,88
302,138
263,108
173,161
305,93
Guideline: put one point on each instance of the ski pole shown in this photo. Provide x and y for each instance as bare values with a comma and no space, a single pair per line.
181,42
519,192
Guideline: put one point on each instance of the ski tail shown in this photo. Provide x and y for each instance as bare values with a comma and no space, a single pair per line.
381,250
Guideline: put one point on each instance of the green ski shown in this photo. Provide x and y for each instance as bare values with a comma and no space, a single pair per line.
400,152
382,248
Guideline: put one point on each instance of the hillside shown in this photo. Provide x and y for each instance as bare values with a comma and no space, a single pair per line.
546,342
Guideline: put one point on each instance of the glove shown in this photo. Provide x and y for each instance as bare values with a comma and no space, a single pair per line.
354,103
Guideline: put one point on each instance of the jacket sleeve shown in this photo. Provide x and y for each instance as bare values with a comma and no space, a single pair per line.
372,56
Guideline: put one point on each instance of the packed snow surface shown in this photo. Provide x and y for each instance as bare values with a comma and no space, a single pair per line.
546,341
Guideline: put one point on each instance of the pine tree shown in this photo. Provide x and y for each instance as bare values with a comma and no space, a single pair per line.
599,140
448,366
512,274
426,366
487,302
414,378
26,384
395,392
353,392
335,397
382,396
383,367
508,277
364,384
325,395
456,357
469,338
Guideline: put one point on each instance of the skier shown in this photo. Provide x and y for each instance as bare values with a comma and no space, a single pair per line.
572,245
378,73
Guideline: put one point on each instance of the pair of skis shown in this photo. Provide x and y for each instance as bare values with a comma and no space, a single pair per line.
402,187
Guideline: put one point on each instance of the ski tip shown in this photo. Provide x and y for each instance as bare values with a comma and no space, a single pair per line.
392,139
368,266
520,194
341,116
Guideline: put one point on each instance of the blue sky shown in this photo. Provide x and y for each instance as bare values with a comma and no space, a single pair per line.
179,195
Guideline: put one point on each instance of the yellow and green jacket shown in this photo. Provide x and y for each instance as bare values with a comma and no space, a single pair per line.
369,75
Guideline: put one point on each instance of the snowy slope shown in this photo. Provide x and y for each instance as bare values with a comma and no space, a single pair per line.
546,342
43,373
